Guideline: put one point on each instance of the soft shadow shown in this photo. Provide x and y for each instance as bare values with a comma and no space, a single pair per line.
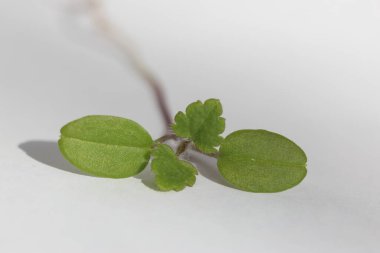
47,152
147,178
207,167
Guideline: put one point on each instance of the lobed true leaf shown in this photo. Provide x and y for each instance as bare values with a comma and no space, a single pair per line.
171,172
202,124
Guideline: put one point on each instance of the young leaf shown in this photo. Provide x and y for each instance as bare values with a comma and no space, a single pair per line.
261,161
106,146
171,172
202,124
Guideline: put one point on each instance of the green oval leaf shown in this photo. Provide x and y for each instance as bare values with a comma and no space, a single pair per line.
106,146
261,161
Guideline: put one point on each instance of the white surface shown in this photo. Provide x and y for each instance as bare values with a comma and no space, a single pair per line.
306,69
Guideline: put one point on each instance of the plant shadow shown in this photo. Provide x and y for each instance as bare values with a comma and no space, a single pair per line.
47,152
207,167
147,178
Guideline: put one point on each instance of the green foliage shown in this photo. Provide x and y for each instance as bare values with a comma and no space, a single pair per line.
251,160
106,146
261,161
202,124
171,172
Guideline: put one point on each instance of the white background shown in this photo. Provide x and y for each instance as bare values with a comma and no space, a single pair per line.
309,70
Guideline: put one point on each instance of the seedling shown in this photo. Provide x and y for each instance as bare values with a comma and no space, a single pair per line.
250,160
